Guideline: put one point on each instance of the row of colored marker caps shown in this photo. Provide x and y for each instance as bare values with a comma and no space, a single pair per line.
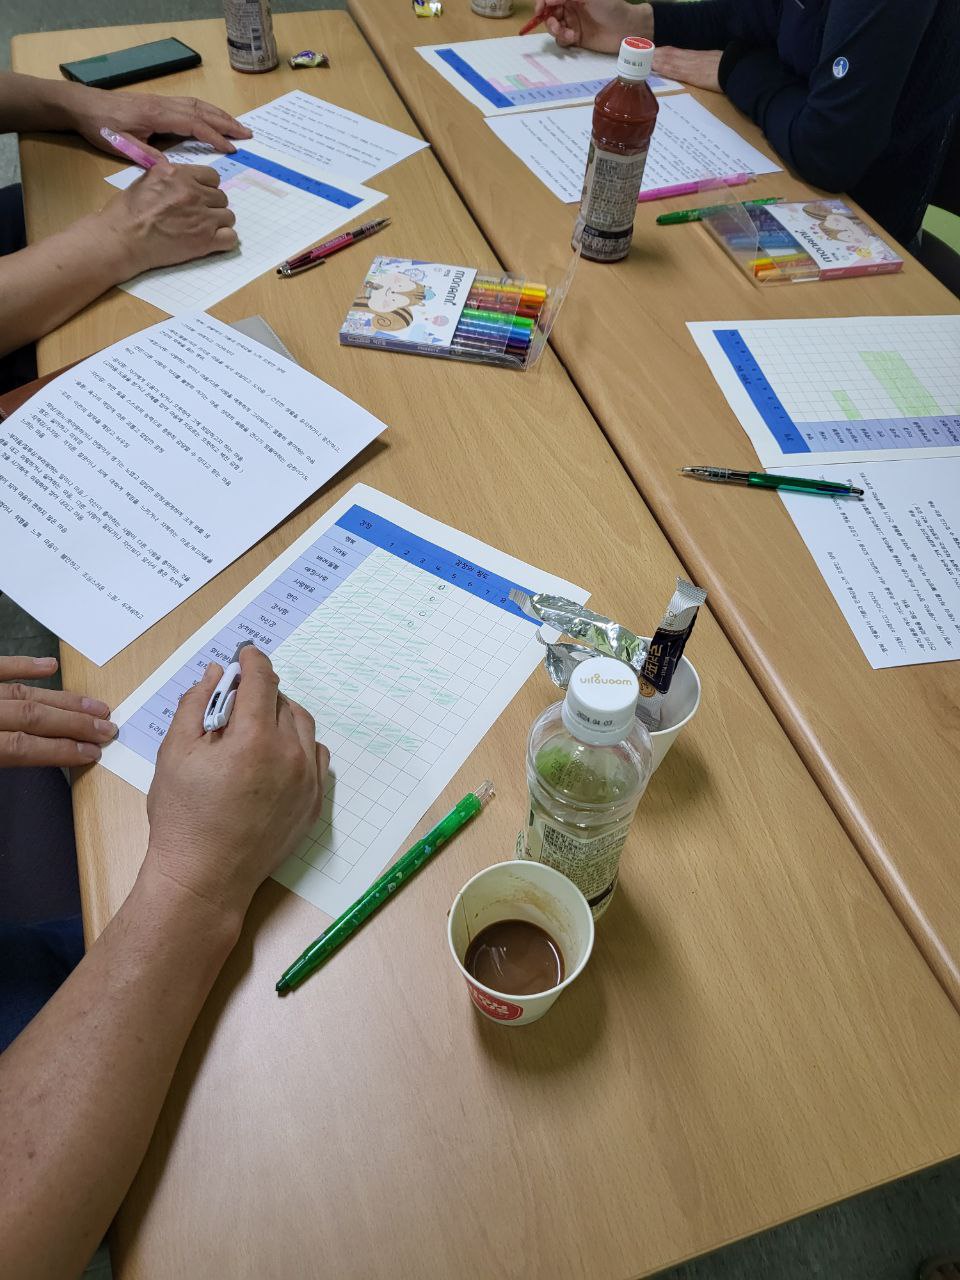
499,317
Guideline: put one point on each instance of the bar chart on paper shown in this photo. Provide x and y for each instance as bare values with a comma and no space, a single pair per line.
398,635
516,73
872,388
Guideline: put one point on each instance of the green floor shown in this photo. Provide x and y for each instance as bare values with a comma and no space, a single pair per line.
882,1235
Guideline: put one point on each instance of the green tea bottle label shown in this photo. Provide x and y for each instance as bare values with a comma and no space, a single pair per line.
591,864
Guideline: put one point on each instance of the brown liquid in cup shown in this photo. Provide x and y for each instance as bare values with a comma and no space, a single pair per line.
514,957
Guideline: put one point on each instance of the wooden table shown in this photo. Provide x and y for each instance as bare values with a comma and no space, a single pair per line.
882,745
755,1035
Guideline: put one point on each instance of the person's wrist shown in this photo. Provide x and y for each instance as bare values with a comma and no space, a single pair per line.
637,20
120,239
65,104
213,908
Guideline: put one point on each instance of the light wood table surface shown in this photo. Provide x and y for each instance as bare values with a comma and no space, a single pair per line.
755,1035
882,745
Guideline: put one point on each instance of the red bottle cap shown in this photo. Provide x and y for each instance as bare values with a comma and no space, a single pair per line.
635,60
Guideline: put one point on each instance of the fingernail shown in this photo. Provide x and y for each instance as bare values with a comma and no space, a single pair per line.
95,707
44,662
106,728
88,750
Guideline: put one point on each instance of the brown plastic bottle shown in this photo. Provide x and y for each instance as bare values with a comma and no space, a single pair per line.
624,116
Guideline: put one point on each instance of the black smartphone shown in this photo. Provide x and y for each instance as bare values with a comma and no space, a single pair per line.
128,66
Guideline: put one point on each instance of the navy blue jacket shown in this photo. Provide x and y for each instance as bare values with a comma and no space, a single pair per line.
856,95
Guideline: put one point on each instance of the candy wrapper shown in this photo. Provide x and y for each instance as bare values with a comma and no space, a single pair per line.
654,662
427,8
307,58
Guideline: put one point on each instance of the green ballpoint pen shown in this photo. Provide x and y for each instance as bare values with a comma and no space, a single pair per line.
402,870
696,215
761,480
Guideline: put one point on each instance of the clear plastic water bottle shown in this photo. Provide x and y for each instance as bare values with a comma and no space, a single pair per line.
589,760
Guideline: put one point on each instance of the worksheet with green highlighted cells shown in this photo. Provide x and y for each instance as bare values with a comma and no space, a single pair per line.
399,636
864,389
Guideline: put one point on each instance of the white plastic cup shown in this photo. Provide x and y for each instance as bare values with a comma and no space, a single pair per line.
521,890
492,8
678,709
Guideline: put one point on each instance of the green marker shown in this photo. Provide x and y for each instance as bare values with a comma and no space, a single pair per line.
694,215
403,869
498,317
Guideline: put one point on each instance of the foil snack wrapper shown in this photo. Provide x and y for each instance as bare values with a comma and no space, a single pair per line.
566,617
309,58
575,620
654,663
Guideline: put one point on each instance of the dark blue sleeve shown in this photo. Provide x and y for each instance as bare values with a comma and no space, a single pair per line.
712,24
832,128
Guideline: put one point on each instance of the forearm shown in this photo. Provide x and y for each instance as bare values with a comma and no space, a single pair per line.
30,104
81,1088
48,282
832,125
707,24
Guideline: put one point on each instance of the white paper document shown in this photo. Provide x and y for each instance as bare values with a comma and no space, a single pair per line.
688,144
520,73
299,126
131,480
398,634
860,389
282,205
892,561
353,146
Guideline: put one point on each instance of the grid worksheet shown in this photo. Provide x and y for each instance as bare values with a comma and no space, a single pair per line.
870,388
517,73
282,205
397,633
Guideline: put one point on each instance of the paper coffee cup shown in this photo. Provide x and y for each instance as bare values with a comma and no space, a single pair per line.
678,708
529,891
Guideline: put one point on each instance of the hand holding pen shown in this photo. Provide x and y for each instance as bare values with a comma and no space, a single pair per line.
592,24
226,808
174,213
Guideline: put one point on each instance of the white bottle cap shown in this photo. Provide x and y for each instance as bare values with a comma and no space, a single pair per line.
635,59
601,701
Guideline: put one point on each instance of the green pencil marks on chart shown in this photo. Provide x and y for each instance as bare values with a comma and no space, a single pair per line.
847,407
901,384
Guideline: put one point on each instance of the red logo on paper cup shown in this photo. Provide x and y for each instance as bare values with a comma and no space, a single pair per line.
494,1006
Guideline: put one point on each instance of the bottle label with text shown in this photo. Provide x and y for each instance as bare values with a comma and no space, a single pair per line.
609,202
591,864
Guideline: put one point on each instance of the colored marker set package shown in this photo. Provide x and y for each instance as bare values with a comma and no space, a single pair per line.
800,242
459,313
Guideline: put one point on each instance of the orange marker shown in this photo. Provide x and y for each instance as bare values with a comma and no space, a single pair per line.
534,22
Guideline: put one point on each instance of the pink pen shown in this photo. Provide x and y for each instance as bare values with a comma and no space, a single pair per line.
132,150
690,188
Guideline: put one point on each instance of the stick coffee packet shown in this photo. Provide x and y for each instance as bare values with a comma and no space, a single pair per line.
666,650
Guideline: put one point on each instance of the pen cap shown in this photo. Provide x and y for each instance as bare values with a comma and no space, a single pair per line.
635,59
601,701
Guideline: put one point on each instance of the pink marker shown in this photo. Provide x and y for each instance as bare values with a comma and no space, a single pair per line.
689,188
132,150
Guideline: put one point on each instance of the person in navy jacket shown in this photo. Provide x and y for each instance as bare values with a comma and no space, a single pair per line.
860,96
